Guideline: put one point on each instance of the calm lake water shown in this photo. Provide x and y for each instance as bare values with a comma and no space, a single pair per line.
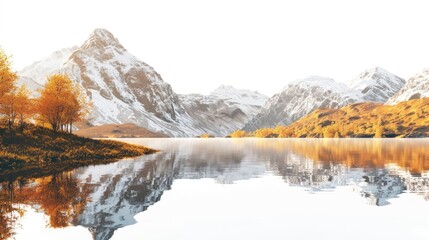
232,189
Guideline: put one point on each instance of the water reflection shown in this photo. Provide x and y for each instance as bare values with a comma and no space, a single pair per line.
105,198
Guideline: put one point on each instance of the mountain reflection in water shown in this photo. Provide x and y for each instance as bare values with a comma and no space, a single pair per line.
107,197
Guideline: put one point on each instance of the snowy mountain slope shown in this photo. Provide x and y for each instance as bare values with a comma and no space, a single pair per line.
415,87
32,85
35,74
300,98
240,97
225,110
377,84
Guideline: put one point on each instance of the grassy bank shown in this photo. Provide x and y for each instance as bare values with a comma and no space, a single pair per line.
37,151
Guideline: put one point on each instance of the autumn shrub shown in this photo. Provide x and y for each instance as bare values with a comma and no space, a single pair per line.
239,134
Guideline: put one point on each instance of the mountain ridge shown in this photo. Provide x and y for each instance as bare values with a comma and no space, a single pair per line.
303,96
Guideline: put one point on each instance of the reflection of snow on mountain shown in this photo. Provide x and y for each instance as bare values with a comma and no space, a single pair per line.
121,191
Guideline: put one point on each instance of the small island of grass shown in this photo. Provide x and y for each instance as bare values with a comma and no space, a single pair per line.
38,151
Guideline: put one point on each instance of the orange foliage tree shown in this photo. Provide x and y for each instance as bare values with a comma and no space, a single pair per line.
7,76
7,85
23,105
61,102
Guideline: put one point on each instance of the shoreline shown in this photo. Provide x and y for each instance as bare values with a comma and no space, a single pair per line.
38,151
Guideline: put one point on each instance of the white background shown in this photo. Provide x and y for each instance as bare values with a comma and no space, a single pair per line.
258,45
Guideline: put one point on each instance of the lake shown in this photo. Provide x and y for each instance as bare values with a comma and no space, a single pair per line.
232,189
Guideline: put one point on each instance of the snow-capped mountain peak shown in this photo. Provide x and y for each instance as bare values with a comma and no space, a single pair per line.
377,84
100,38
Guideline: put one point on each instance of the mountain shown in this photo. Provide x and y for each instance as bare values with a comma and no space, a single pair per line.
377,84
124,89
415,88
300,98
224,110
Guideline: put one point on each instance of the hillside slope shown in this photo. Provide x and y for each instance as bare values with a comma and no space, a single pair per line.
406,119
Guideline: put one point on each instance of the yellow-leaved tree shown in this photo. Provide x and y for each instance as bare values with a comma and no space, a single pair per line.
23,105
7,76
61,102
7,85
238,134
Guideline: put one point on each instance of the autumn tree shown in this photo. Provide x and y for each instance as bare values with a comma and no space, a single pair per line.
263,132
7,76
23,107
7,108
61,102
283,131
379,131
7,85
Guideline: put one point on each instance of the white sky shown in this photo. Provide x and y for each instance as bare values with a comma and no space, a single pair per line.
258,45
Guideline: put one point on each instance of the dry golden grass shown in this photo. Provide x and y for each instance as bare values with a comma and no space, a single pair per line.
41,151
